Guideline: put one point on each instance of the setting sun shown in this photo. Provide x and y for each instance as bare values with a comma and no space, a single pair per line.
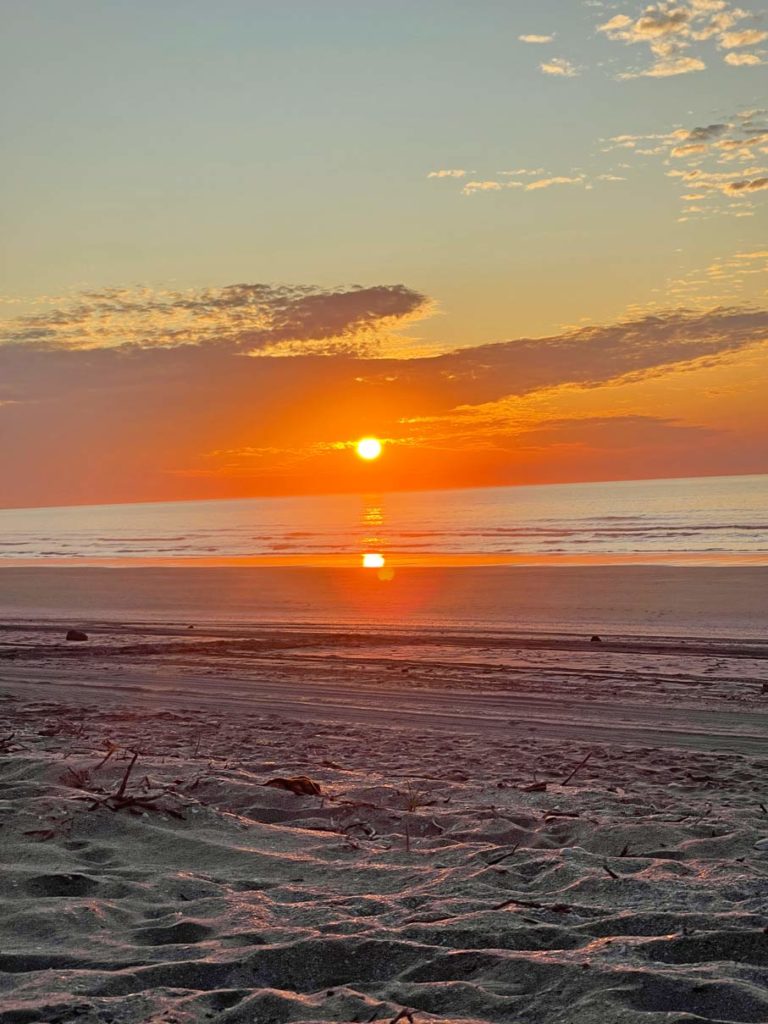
373,560
369,448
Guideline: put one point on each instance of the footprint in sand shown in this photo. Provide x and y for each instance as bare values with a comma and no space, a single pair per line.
184,932
60,885
92,853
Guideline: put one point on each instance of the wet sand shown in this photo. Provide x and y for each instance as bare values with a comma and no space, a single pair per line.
685,601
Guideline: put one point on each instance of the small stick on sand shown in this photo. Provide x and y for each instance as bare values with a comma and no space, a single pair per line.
121,791
403,1015
509,853
578,767
111,748
703,814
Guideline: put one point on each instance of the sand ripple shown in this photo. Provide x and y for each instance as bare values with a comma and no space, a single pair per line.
431,875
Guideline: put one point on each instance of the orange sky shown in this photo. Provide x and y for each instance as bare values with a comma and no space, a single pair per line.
662,395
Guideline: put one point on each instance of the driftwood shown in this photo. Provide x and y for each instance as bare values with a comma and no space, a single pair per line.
298,784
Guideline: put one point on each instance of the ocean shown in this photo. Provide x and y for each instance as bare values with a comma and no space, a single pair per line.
709,519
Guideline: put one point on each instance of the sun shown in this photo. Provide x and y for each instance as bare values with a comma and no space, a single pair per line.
368,448
373,560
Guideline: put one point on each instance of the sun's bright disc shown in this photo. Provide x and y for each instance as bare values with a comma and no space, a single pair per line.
369,448
373,560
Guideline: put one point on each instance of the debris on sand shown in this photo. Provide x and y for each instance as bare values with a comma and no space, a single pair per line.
299,784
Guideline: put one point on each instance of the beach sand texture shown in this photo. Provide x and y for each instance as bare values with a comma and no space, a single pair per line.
509,826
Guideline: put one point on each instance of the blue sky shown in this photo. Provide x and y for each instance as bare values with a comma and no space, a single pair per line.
194,144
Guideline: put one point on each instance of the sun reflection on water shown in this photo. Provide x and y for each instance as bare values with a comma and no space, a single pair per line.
372,521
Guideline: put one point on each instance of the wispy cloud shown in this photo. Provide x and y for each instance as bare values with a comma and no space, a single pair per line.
559,66
454,172
487,186
523,172
558,180
711,162
729,279
535,39
519,179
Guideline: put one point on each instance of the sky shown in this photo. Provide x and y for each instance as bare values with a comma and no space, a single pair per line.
521,243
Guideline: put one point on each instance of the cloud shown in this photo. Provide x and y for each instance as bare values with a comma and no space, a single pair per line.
560,66
747,185
734,279
533,186
535,39
688,149
613,433
655,22
706,133
593,355
452,173
746,37
493,185
484,186
548,182
251,318
670,30
523,172
718,160
738,60
667,68
723,183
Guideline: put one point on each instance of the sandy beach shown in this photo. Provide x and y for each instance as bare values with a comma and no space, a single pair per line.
253,821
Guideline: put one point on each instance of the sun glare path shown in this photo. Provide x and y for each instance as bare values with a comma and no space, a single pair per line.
368,448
